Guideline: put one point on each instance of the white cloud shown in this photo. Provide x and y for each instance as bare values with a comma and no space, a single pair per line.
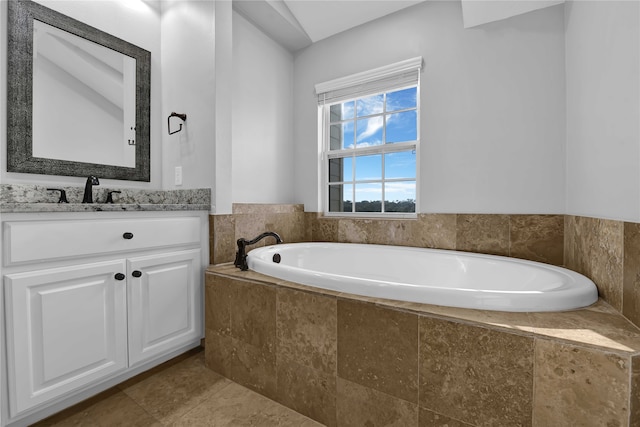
400,190
370,105
394,191
370,143
374,124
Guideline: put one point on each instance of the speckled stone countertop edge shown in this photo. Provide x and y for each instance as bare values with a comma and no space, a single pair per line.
18,198
99,207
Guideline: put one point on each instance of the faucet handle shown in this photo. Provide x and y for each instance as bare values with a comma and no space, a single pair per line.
63,194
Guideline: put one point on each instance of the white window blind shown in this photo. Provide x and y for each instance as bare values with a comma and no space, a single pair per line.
400,74
370,136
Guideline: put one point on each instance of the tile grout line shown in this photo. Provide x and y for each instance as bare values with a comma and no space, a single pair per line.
533,381
204,401
418,370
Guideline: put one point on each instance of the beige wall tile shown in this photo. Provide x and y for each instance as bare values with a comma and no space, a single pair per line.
363,406
240,309
537,238
310,220
427,231
484,233
218,303
579,386
591,246
428,418
250,220
219,352
307,329
378,348
481,377
222,238
354,230
597,247
376,231
634,420
249,226
289,225
390,232
607,252
631,272
241,332
250,366
472,374
308,391
436,231
325,229
254,367
570,230
307,349
265,208
253,314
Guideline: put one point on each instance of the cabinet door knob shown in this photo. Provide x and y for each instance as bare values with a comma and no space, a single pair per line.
136,273
128,236
120,276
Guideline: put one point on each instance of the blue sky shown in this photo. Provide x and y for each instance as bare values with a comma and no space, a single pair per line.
400,127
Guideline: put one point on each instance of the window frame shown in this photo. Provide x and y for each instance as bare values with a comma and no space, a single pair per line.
324,111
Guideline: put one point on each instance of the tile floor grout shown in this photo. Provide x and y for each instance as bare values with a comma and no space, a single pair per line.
180,392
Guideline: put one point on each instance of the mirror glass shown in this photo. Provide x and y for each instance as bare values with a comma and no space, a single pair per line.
81,88
78,98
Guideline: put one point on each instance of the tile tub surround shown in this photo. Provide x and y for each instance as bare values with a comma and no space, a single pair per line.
348,360
248,221
531,237
606,251
36,198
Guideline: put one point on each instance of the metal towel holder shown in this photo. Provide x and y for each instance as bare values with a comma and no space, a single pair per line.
183,117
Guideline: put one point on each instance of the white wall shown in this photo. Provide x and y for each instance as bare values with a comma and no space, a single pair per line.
603,109
492,99
188,87
222,193
236,89
478,12
262,112
135,21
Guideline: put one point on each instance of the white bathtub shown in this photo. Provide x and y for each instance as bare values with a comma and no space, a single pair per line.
431,276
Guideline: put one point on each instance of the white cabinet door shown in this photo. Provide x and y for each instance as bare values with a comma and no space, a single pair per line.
165,303
66,328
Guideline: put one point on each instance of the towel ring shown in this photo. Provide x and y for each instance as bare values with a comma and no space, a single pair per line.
183,117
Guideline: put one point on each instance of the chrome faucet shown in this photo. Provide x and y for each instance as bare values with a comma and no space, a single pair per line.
241,255
88,189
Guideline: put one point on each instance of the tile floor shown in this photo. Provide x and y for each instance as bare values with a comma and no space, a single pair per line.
180,392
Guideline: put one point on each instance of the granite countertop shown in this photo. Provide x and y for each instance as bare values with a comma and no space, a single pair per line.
23,198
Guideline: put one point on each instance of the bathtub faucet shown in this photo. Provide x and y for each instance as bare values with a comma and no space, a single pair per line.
241,255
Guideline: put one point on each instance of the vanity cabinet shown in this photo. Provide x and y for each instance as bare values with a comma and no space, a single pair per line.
88,300
66,328
163,301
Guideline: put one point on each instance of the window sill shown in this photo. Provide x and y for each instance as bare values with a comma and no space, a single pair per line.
371,215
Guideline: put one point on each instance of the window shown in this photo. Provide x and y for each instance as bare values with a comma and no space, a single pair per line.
370,141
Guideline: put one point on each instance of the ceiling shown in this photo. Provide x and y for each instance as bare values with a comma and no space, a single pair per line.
296,24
